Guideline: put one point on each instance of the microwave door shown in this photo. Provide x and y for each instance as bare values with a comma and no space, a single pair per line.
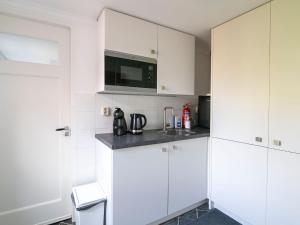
130,73
110,70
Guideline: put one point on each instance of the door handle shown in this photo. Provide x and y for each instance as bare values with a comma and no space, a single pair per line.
66,129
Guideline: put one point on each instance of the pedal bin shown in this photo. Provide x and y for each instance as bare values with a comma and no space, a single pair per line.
90,204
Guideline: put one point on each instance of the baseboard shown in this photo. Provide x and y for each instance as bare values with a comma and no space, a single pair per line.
56,220
178,213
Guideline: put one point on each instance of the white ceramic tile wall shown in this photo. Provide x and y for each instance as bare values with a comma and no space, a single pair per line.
151,106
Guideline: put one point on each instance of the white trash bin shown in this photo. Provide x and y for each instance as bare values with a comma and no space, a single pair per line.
90,204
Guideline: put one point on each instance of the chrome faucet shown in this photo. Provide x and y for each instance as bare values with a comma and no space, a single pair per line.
165,115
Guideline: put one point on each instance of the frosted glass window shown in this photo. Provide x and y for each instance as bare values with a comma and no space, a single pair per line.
25,49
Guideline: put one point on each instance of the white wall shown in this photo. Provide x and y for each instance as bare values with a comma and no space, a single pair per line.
85,108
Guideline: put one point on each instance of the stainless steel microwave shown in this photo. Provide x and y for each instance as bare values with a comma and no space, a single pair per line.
131,74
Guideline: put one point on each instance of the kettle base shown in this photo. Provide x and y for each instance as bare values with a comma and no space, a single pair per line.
136,132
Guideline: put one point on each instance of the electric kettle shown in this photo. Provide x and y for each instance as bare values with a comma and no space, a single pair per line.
137,124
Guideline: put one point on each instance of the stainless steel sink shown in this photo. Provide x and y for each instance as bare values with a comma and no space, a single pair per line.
172,132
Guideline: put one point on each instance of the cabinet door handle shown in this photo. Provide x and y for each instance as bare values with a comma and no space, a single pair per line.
174,147
164,149
258,139
277,142
153,51
163,87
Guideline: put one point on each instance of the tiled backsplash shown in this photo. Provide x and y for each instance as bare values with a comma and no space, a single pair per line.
150,106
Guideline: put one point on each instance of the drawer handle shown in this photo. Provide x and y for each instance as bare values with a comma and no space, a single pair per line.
258,139
164,150
153,51
277,142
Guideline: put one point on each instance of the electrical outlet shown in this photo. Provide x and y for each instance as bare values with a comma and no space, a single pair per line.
105,111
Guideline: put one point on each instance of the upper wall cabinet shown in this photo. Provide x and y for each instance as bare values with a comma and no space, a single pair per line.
240,78
173,51
127,34
176,62
285,75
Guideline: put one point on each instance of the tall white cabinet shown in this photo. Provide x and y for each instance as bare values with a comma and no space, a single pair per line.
283,188
256,97
240,77
239,179
285,75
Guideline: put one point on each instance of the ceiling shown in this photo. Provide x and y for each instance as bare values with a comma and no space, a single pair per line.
192,16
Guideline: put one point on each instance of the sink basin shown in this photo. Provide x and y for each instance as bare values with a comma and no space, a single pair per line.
172,132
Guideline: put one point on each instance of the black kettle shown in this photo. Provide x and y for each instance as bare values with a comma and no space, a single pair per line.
119,125
137,124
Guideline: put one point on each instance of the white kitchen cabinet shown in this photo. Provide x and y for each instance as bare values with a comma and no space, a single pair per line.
136,182
187,173
239,180
285,75
283,188
140,185
175,62
128,34
240,78
146,184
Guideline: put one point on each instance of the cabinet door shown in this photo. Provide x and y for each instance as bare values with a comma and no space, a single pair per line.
285,75
187,173
130,35
239,180
140,185
240,78
176,62
283,188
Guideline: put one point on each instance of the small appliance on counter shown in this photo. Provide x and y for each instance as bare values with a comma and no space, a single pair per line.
137,124
204,111
119,125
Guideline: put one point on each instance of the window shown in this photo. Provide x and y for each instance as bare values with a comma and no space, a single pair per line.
26,49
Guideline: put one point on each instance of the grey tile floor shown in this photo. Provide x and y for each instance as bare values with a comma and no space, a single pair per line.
205,217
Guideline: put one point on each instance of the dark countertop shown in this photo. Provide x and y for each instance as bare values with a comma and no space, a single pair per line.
150,137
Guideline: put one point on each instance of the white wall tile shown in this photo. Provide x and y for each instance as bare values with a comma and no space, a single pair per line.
151,106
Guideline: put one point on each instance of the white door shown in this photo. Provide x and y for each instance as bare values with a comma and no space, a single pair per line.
140,185
239,180
129,35
285,75
240,78
34,101
187,173
283,188
175,62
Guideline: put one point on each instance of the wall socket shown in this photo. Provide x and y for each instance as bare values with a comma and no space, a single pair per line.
105,111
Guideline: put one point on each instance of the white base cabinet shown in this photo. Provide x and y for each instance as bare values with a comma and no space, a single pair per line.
187,173
239,180
140,185
283,188
147,183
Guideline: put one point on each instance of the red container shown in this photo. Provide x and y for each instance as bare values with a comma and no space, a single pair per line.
186,115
